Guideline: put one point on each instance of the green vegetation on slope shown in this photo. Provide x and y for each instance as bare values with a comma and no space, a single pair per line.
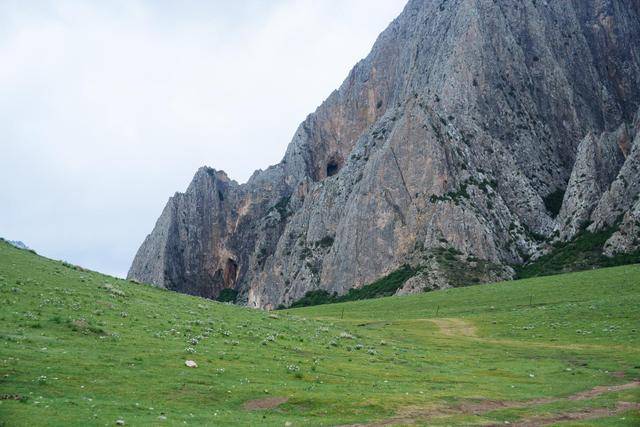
383,287
228,295
583,252
81,348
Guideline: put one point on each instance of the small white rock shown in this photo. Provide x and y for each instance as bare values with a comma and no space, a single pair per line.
191,364
120,422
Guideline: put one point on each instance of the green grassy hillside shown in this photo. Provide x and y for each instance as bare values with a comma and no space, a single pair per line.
81,348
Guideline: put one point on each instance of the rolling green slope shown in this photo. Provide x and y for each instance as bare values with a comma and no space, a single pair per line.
81,348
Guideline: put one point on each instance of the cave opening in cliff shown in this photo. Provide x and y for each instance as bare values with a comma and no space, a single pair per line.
332,168
230,273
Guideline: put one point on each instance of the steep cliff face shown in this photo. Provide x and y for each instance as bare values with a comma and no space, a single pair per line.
449,135
186,251
624,190
605,182
597,164
627,238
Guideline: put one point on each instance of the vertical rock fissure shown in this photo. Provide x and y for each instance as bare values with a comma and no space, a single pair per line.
404,183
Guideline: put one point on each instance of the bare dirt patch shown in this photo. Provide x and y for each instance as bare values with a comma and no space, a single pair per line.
266,403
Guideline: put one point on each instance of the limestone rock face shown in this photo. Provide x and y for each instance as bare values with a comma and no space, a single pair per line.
624,191
429,279
448,136
189,235
627,238
605,187
597,164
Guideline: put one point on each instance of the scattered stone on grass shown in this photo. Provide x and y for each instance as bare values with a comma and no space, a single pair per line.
10,397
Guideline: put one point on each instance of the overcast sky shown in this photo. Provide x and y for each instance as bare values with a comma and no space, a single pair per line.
109,107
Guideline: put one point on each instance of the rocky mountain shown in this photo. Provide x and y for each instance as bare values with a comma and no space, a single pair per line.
16,243
442,150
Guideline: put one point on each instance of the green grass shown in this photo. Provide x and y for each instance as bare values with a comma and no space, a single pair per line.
81,348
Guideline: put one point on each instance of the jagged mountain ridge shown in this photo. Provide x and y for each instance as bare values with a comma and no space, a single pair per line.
450,134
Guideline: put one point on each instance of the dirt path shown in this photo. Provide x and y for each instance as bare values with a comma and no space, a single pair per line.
266,403
413,414
597,391
585,414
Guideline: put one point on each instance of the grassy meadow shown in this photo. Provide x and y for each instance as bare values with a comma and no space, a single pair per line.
81,348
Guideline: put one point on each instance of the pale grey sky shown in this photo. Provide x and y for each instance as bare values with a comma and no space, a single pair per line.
109,107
